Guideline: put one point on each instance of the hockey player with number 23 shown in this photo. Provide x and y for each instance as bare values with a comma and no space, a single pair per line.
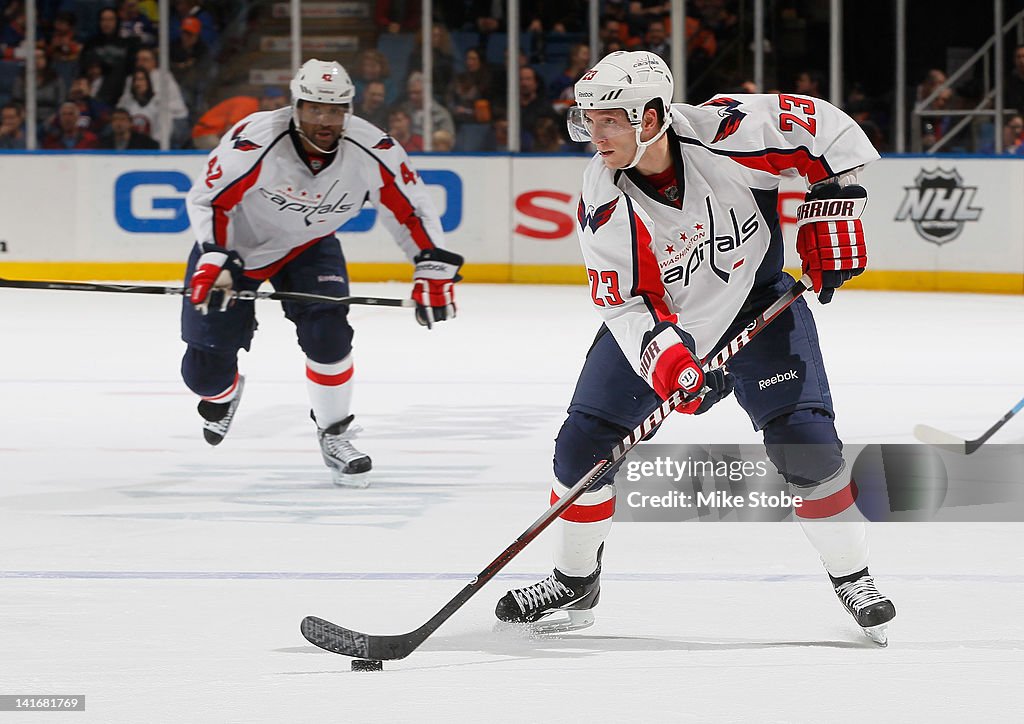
680,234
275,190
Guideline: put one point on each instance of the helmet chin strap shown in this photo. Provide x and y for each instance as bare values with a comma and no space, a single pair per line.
641,146
337,145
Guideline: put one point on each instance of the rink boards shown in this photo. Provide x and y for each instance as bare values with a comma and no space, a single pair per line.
933,223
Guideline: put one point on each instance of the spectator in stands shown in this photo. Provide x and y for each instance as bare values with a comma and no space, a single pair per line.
642,13
1013,82
191,64
656,41
50,90
12,30
62,46
208,31
217,121
439,116
121,136
612,35
69,135
443,59
12,127
134,24
498,138
467,96
810,83
1013,130
371,104
372,67
397,16
482,16
400,129
142,102
116,55
935,128
442,141
532,107
93,114
579,63
547,136
146,60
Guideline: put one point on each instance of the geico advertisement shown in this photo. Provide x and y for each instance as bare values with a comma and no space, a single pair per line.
923,213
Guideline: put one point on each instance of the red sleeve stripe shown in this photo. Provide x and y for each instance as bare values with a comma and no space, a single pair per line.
830,505
647,280
577,513
330,380
399,205
813,168
228,199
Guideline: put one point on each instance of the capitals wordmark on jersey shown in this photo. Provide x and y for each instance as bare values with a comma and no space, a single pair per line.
706,245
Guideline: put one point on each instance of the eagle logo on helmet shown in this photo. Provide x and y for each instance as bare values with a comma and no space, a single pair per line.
731,115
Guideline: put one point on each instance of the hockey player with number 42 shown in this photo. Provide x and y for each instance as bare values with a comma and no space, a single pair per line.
680,234
274,191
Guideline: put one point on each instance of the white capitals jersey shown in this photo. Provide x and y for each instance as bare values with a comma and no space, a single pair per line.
650,261
259,196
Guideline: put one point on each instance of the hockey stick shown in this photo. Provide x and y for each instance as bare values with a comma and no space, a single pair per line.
340,640
934,436
181,291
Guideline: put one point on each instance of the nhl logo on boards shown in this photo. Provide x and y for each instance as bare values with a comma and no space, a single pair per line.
939,205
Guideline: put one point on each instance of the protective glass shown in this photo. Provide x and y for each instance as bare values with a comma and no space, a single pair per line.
597,125
323,114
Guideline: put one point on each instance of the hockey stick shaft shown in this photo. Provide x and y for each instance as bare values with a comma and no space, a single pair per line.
934,436
182,291
344,641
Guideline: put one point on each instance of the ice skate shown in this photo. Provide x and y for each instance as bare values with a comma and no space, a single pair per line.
870,609
557,604
217,416
349,467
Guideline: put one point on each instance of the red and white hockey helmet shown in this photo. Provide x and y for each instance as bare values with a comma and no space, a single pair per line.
624,79
322,81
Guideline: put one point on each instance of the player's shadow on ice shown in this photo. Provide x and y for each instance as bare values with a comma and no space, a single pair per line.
579,645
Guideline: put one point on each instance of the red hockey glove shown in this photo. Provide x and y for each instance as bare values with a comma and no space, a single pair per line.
436,271
217,272
668,364
830,237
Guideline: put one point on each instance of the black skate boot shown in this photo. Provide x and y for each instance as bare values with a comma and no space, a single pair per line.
870,609
217,416
537,605
349,467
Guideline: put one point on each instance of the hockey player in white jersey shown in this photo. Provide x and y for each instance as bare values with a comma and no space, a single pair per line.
680,234
266,208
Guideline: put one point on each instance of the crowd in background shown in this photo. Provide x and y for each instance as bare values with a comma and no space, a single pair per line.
99,85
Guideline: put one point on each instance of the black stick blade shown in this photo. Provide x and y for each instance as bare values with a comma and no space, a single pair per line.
340,640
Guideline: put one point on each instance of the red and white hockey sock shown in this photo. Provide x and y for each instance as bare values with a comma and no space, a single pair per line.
834,525
330,390
581,529
227,395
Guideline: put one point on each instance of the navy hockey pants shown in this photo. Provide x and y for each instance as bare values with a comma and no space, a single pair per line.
324,334
780,383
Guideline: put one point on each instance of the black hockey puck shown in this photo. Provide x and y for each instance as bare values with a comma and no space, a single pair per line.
367,665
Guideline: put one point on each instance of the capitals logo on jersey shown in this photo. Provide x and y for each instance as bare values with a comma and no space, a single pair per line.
243,144
385,143
732,117
595,218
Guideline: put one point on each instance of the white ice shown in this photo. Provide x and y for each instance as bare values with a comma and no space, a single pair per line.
165,580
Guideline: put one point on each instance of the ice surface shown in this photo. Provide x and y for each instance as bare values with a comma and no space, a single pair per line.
165,579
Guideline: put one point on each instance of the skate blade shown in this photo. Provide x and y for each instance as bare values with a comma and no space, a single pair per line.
350,480
567,622
879,634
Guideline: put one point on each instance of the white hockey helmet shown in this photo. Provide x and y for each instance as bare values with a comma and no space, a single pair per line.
624,79
322,81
